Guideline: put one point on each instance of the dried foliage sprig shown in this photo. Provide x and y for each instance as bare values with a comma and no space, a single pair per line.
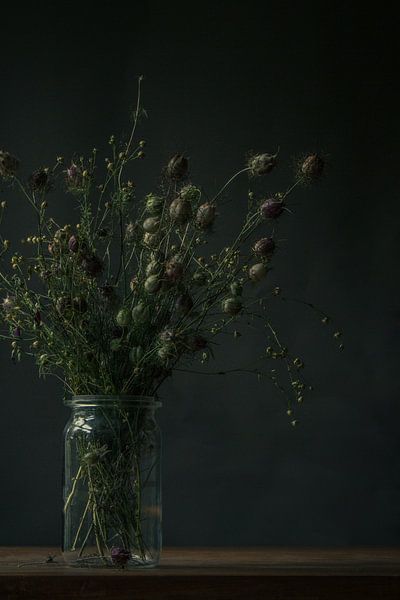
116,303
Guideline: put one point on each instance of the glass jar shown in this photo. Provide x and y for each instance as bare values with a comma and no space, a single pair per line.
112,489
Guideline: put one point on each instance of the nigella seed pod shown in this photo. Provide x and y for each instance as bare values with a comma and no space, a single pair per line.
271,208
154,204
236,288
264,247
312,167
180,211
191,193
140,313
39,181
153,268
197,343
232,306
123,317
136,354
152,284
205,215
174,269
151,224
261,164
151,239
184,304
120,556
8,165
73,244
257,272
177,167
92,265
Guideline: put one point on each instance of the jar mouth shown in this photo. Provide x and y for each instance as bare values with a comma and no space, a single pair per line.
103,399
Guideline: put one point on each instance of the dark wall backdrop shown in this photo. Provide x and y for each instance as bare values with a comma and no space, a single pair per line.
220,79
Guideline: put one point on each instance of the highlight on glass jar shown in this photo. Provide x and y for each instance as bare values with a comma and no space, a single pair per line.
112,490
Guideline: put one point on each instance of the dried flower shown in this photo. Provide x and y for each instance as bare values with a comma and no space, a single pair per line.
177,167
271,208
205,215
257,272
8,164
180,211
312,167
264,247
8,304
92,265
39,180
232,306
261,164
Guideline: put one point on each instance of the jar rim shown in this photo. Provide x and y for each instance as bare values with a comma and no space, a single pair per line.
93,399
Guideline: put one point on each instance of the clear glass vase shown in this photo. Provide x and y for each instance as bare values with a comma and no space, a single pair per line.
112,488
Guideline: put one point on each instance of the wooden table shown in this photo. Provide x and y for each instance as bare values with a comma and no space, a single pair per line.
211,574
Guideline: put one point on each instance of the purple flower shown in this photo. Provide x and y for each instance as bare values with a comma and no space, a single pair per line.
73,244
271,208
120,556
17,332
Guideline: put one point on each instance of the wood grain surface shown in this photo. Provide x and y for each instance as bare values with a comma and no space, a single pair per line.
210,574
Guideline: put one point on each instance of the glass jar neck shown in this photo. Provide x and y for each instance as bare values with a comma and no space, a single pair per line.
98,401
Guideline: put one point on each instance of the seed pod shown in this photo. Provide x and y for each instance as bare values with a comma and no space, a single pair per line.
152,284
123,317
8,164
130,231
271,208
257,272
236,288
140,313
151,224
264,247
136,354
174,269
177,167
154,204
261,164
205,215
73,244
153,268
232,305
184,304
180,211
312,167
133,284
151,239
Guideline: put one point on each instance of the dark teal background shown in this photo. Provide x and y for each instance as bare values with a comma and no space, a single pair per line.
222,78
